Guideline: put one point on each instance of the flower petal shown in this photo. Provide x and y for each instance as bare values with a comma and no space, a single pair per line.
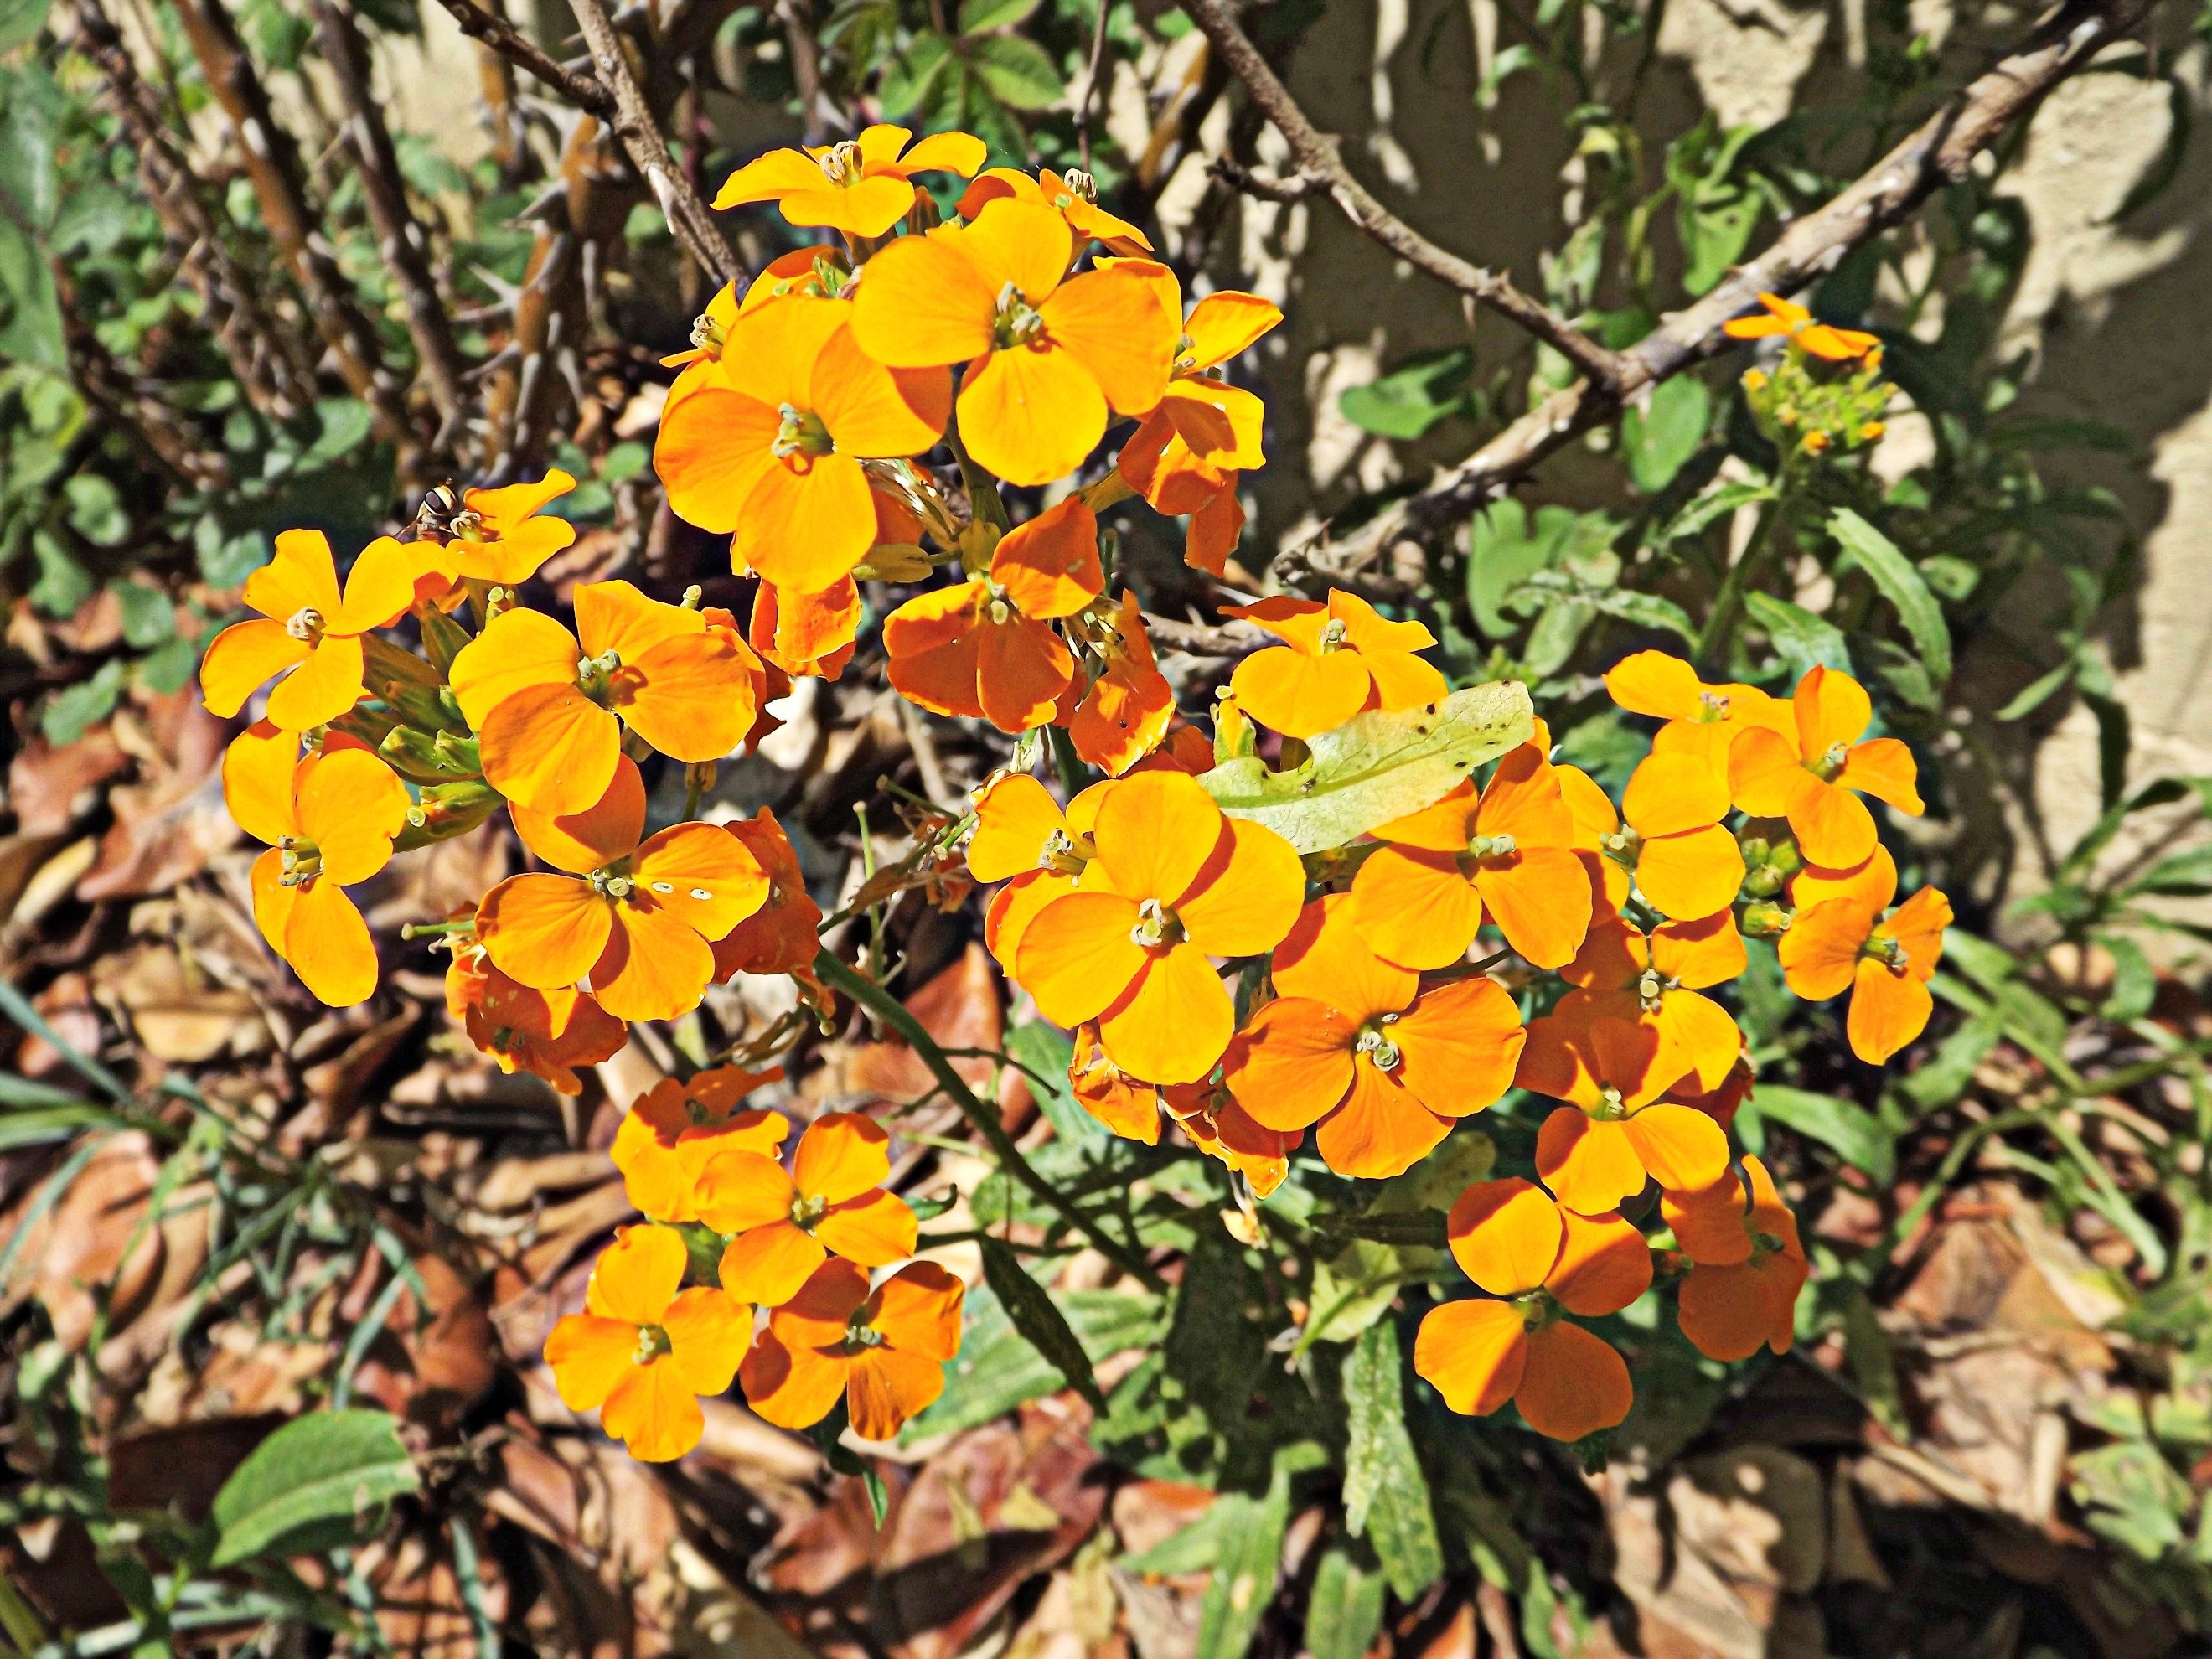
1076,957
1540,899
1462,1045
257,781
1588,1163
654,1413
517,649
1299,694
691,698
655,966
589,1355
766,1265
917,1310
1831,709
925,303
329,947
1505,1234
638,1275
1050,565
1884,767
1603,1265
1173,1023
1573,1383
1292,1064
351,804
242,659
1381,1130
1415,907
380,587
740,1189
1015,816
886,1388
708,1332
1327,957
1889,1010
1670,793
1473,1352
1246,904
550,747
875,1229
1157,833
543,931
1833,825
809,521
935,644
1762,768
1820,952
1680,1146
1021,670
580,842
1691,875
1113,323
702,875
873,411
1223,325
320,689
841,1156
789,1383
1030,413
711,451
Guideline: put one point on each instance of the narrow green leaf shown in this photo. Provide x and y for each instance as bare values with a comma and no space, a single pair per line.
1246,1564
1713,504
1386,1497
1802,639
318,1475
1039,1319
1376,767
977,15
1901,584
1345,1612
1851,1132
998,1369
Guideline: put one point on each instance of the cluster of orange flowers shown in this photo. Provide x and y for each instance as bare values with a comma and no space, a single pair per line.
796,426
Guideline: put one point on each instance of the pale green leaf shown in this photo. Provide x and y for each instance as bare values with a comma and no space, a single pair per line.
1902,586
1386,1497
327,1473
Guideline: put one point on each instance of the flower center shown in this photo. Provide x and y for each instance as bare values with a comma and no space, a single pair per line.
858,1335
998,604
1186,358
1018,322
612,881
1889,952
806,1211
306,624
1611,1108
300,862
1830,762
652,1343
1711,706
1650,986
841,163
1374,1041
595,675
1070,856
1080,184
801,433
1332,635
1624,846
1538,1308
707,335
1157,927
1492,846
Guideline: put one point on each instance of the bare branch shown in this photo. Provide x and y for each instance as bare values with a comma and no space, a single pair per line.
1228,639
1237,176
585,92
1938,153
688,218
1315,153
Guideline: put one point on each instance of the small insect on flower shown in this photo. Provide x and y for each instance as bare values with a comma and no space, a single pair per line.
884,1350
644,1349
1337,657
497,536
329,818
1742,1293
783,1226
670,1130
311,633
1846,944
1793,322
636,915
1543,1262
861,186
1616,1131
1816,782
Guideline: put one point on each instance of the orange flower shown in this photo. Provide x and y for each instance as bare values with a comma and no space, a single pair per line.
860,187
779,938
1073,195
1673,845
1202,421
1124,715
644,1349
328,819
1743,1293
986,648
310,635
1355,1045
832,1202
1839,345
637,917
1844,943
1022,837
884,1351
670,1131
1186,885
1338,658
1127,1105
1421,897
1598,1151
1544,1262
1207,493
547,1034
498,536
1702,720
549,712
806,634
1660,974
1872,882
1593,819
1813,784
1048,355
1232,1136
770,445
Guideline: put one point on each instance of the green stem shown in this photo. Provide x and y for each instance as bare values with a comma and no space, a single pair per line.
841,976
1074,775
1720,620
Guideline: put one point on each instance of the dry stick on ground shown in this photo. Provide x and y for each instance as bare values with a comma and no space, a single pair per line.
1322,171
585,92
1937,154
399,236
689,219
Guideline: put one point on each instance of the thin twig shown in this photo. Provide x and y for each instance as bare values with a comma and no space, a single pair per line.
1088,98
585,92
1937,154
688,217
1228,639
1316,155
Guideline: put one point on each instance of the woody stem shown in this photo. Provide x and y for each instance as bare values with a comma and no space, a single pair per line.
843,976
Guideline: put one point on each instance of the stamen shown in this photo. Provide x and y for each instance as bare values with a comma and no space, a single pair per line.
1332,635
1492,846
306,624
841,163
1157,925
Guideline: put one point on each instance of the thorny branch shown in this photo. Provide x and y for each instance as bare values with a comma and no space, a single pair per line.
1936,154
1322,171
585,92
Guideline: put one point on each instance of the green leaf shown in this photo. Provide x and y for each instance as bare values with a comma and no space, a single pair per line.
149,616
20,21
976,15
2036,692
95,510
1713,504
1376,767
30,309
1044,1053
1344,1612
321,1476
1417,395
1650,610
1353,1288
1251,1547
998,1368
344,427
1801,638
1017,71
71,712
1386,1497
2135,982
1506,545
1657,440
1851,1132
1039,1319
1901,584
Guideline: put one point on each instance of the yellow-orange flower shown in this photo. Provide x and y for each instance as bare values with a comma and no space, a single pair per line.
1672,844
311,633
1337,658
670,1130
806,634
1509,851
502,536
884,1351
1201,420
637,916
1124,714
1543,1262
1023,838
1741,1295
1816,782
1073,195
644,1349
1598,1151
1048,355
1660,975
786,1226
549,711
986,648
1702,720
1355,1045
1128,1106
779,938
860,186
1787,318
328,819
547,1034
1186,885
1221,1128
768,446
1845,944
